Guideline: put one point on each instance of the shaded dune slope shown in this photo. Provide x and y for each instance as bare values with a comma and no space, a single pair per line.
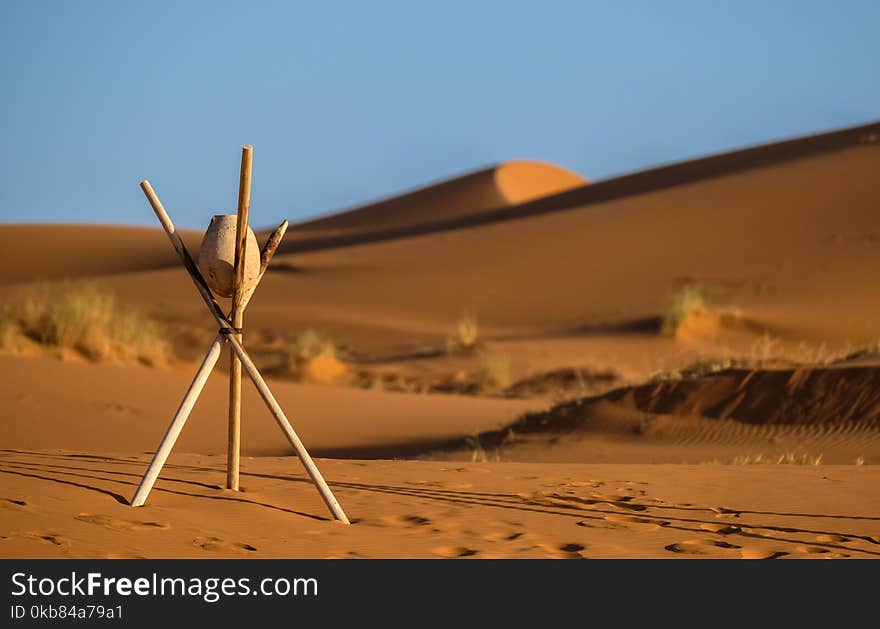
813,396
798,396
50,252
718,408
755,416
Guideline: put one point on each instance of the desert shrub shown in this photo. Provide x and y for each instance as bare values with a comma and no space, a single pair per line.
309,344
467,333
688,301
493,373
478,454
83,318
11,338
313,357
788,458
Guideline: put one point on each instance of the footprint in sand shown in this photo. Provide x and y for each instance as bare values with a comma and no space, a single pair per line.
575,502
502,536
49,538
611,497
721,529
598,524
760,553
619,500
351,554
123,555
722,511
629,506
636,522
571,551
812,550
454,552
406,520
571,502
566,550
115,524
216,544
830,538
701,547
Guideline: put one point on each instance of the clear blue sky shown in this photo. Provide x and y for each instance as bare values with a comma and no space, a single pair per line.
345,102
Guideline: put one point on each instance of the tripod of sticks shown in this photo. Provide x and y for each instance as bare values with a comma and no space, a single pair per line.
230,332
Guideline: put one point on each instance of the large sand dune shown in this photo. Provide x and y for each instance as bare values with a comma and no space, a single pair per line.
500,186
57,252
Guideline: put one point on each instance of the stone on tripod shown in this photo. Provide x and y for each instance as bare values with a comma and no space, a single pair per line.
217,256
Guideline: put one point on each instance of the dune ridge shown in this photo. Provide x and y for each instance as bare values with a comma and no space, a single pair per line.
752,415
507,191
502,185
35,252
597,192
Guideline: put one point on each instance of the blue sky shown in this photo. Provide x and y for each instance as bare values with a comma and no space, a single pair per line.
346,102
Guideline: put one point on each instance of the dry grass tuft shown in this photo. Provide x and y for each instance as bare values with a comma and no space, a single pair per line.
82,318
312,357
467,335
493,373
789,458
308,345
687,302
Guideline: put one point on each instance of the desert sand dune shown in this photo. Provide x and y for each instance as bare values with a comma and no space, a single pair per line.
642,182
504,185
52,252
792,245
629,241
566,279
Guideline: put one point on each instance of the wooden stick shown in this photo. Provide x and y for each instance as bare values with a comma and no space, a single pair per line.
183,411
290,433
266,256
271,245
238,305
253,373
187,260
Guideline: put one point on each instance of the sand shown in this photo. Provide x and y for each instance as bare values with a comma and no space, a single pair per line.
61,504
616,440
